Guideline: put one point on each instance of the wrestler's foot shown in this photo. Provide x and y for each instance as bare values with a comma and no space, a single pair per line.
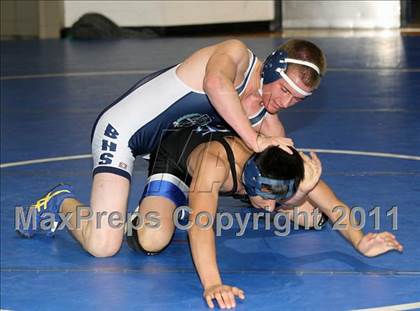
47,207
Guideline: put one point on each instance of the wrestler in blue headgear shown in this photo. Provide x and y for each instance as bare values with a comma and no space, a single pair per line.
273,174
275,66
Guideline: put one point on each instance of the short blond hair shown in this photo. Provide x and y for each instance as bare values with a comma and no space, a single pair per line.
307,51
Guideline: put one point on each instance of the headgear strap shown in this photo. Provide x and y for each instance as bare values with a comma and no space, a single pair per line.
291,83
304,63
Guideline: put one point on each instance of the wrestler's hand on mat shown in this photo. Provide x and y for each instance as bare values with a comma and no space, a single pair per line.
224,295
313,170
263,142
374,244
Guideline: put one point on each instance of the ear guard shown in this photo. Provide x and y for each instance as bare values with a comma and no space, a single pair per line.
267,188
275,66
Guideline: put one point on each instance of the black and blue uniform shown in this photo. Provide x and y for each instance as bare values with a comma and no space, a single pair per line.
168,171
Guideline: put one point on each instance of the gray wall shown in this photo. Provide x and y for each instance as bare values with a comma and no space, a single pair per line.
172,12
45,18
341,14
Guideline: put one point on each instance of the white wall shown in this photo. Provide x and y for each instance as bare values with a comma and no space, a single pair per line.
341,14
170,13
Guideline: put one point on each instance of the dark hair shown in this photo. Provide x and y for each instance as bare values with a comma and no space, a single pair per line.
307,51
276,163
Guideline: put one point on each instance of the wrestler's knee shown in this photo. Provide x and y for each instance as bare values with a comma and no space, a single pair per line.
149,243
154,242
106,246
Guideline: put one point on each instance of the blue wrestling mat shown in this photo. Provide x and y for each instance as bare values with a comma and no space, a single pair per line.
364,121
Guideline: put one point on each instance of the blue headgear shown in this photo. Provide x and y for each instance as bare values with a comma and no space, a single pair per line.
254,182
274,68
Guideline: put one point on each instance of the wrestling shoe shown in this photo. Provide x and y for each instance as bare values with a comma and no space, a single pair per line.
47,207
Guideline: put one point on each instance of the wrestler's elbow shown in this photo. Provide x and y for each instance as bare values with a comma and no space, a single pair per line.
214,81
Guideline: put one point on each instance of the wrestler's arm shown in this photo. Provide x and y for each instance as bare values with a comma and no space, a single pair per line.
271,126
221,71
229,59
207,179
370,244
312,173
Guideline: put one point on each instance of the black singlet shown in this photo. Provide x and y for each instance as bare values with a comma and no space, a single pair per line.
172,154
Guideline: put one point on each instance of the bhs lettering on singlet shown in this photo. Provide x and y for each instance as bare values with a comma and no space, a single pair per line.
108,145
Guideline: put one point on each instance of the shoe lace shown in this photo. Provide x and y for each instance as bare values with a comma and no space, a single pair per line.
42,203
